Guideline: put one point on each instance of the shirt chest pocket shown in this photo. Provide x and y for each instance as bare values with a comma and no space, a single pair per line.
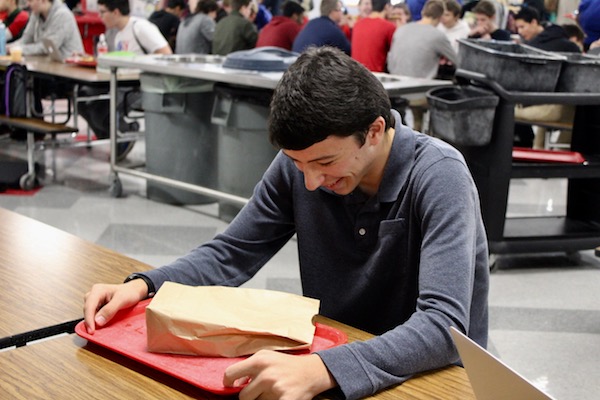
393,245
389,260
392,227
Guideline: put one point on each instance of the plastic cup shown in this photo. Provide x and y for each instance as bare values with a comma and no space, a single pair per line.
16,54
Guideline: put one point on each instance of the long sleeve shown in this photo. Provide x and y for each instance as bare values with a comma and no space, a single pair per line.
250,35
60,27
207,29
263,226
445,49
448,206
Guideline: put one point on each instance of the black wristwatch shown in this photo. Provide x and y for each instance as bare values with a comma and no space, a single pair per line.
151,289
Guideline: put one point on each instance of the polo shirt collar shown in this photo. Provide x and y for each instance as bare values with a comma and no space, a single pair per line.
400,162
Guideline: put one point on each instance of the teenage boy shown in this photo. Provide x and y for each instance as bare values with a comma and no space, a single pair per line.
15,21
389,232
235,32
50,19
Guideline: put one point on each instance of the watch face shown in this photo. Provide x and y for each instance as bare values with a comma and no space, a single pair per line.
131,277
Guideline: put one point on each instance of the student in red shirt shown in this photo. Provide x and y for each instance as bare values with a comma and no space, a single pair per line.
15,19
372,37
282,29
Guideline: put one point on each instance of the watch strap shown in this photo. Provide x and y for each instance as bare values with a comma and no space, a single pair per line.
149,283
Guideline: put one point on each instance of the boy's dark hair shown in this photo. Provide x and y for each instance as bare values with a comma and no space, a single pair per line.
406,9
236,5
176,3
379,5
433,9
528,14
486,8
111,5
575,31
324,93
206,6
291,7
453,7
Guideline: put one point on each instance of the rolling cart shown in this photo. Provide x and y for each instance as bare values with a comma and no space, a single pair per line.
493,167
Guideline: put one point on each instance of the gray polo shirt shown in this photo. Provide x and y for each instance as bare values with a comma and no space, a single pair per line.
404,264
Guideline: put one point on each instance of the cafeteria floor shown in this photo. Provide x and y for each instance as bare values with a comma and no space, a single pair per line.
544,309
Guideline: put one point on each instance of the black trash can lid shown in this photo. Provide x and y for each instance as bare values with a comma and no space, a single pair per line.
266,59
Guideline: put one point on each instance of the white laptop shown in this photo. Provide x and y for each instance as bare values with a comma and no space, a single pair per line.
490,378
53,51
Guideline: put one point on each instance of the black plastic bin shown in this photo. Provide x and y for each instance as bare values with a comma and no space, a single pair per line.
244,149
580,73
181,142
516,67
462,115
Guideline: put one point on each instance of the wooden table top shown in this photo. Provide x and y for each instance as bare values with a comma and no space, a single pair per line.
70,367
46,272
43,65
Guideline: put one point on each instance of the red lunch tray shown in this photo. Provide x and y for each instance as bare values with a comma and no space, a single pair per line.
126,334
547,156
82,62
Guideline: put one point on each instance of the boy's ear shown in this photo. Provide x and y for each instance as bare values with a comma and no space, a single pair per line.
377,129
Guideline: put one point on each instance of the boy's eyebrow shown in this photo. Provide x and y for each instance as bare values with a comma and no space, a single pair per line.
315,160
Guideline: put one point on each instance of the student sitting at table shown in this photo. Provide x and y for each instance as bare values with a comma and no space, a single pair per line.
135,35
235,32
372,37
283,29
324,30
196,31
547,37
452,25
417,50
575,34
389,232
485,25
50,19
15,20
168,19
400,14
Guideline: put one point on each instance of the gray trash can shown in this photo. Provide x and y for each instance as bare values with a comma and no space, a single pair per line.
244,148
462,115
181,142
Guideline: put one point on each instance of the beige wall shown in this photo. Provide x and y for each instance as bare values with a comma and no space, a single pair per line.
565,7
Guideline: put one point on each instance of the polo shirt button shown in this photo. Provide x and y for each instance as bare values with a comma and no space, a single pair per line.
362,231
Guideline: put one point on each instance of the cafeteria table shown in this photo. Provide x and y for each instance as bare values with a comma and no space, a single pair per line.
42,69
70,367
45,274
